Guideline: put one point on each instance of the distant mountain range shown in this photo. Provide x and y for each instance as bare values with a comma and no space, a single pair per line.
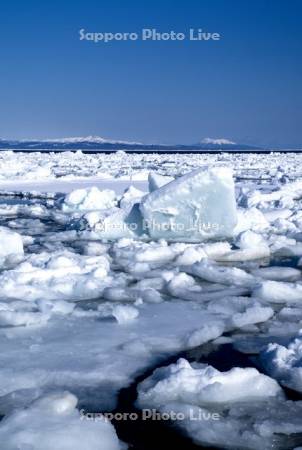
95,143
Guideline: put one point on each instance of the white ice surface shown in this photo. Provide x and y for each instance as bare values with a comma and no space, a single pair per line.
92,355
89,199
53,422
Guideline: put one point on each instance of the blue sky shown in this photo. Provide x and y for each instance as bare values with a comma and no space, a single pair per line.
245,87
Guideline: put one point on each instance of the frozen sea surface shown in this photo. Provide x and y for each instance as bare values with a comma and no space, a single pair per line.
83,314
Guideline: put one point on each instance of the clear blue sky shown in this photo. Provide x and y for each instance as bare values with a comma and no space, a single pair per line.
246,87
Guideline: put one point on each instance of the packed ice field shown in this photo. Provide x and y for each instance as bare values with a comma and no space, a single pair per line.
113,265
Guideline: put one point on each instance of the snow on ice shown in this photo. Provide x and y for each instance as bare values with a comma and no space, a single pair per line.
236,409
54,422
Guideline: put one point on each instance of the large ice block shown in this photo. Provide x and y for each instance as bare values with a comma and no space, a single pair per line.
198,206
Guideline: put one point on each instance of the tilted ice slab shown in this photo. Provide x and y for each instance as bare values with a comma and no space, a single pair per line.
200,205
285,362
237,409
114,223
54,422
156,181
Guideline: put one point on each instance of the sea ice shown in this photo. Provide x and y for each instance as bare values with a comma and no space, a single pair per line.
82,313
251,219
251,246
114,223
89,199
53,422
62,275
156,181
284,362
10,243
94,352
279,292
215,273
198,206
277,273
237,409
201,384
131,196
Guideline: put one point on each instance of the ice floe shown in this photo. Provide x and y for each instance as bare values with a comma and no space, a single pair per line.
284,362
52,422
237,409
89,199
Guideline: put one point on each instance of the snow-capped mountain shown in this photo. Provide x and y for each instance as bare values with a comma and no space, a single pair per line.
220,141
90,139
97,143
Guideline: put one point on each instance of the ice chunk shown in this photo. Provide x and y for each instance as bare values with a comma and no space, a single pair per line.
201,384
131,196
250,239
62,275
153,254
279,292
252,246
214,273
125,313
242,311
114,223
156,181
88,199
205,334
274,214
237,409
10,242
190,256
122,313
18,318
54,422
271,424
289,251
276,273
253,314
285,362
198,206
251,219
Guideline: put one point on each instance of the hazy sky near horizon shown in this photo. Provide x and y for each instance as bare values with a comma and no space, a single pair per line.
246,87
